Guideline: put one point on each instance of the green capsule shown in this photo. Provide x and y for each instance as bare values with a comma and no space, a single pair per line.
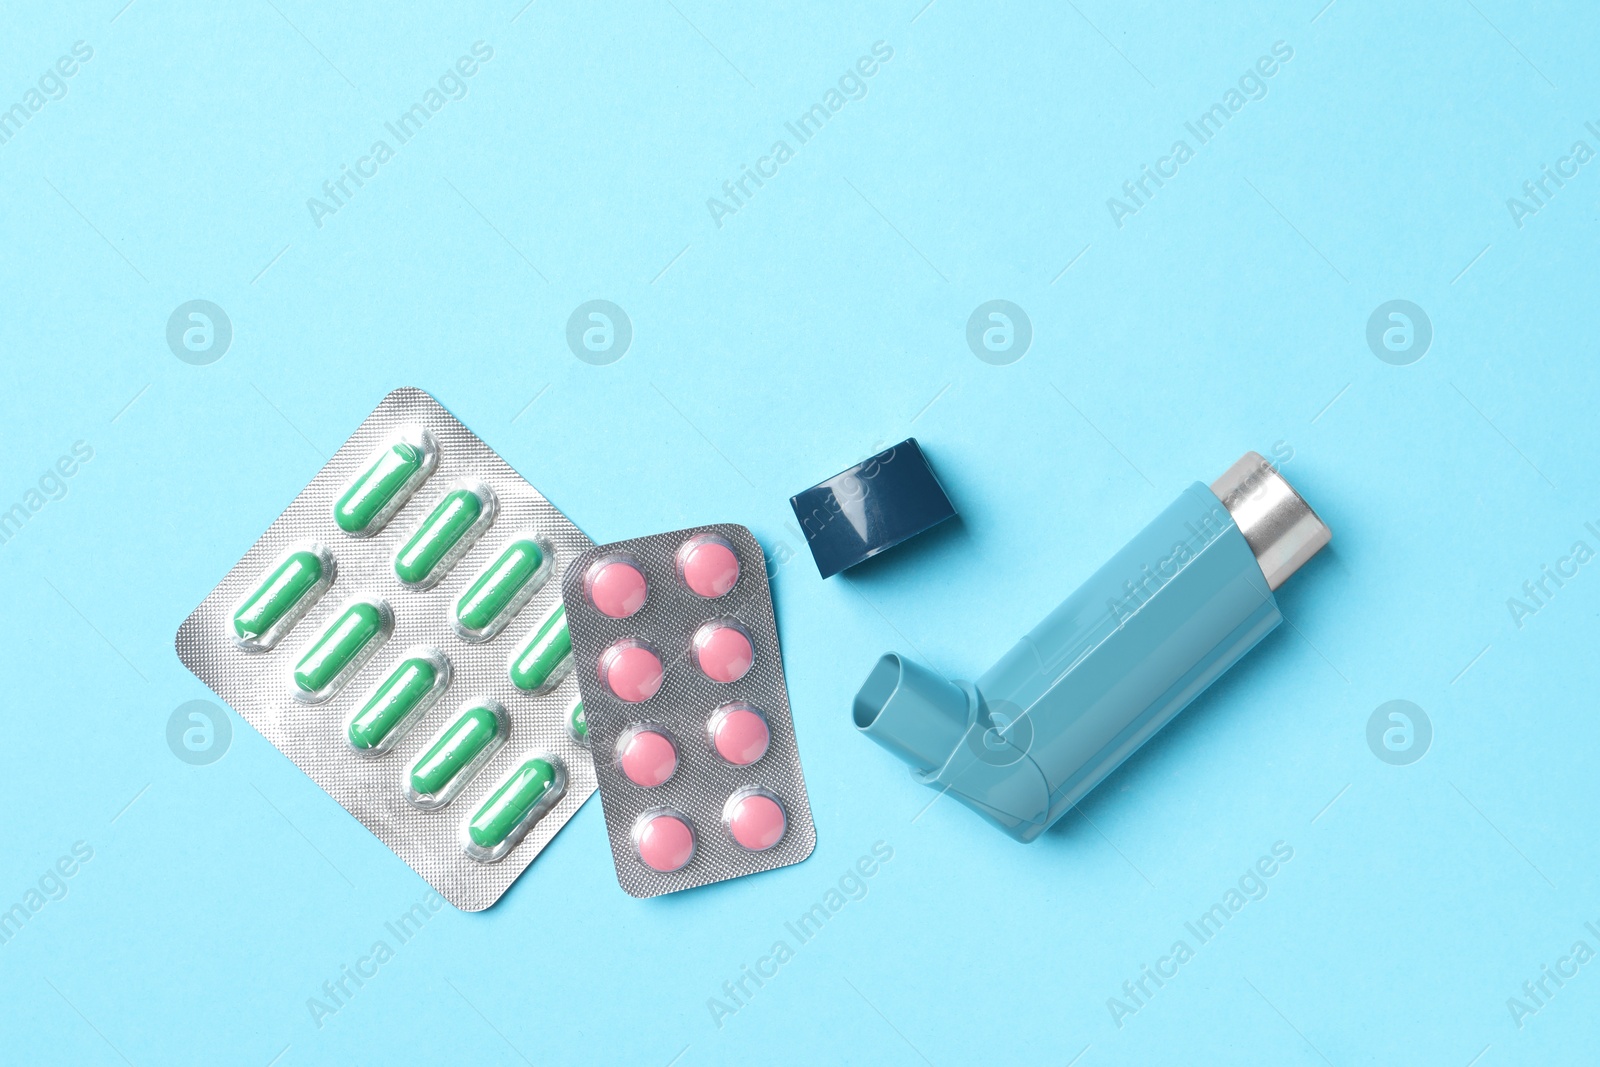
498,588
549,649
279,594
401,694
507,807
577,724
459,746
344,642
439,533
379,491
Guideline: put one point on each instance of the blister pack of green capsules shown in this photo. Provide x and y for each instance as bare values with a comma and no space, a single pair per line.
399,634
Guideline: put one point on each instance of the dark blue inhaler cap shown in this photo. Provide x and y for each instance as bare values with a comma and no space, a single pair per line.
872,506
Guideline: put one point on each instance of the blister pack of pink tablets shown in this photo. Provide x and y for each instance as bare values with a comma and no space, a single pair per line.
675,648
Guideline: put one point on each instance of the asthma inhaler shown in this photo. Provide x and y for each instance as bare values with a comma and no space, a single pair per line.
1145,635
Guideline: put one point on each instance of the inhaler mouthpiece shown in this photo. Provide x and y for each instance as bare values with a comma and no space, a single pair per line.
912,711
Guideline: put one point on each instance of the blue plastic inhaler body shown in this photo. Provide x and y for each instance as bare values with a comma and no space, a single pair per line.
1144,636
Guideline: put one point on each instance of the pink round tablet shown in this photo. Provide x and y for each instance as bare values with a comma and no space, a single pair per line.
723,651
739,734
631,670
616,587
664,841
708,566
647,757
755,820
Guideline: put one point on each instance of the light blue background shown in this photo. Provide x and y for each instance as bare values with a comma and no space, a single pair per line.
824,320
